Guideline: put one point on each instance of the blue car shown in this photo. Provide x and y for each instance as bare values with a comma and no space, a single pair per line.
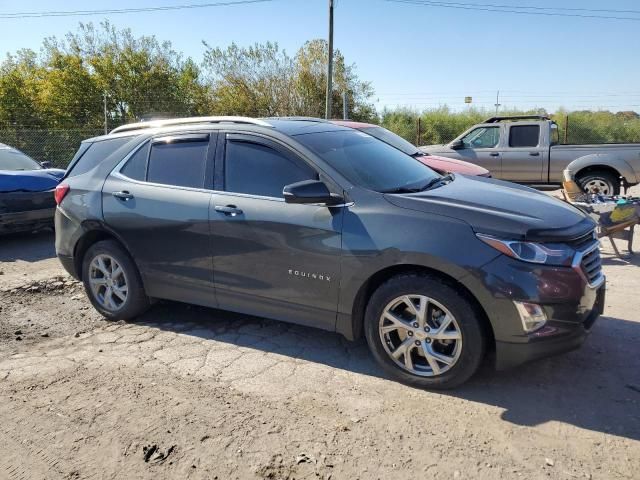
26,192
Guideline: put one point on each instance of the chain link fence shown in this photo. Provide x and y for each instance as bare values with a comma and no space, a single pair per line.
51,145
59,145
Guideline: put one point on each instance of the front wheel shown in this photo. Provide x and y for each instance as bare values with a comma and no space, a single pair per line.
424,332
112,281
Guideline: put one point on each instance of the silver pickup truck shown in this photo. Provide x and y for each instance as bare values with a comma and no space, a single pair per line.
525,149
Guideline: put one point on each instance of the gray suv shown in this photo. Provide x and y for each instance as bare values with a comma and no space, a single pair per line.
321,225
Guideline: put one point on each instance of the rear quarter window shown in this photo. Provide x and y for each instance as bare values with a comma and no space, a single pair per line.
94,154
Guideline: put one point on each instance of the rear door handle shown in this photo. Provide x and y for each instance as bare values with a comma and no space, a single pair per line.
534,154
494,154
229,210
123,195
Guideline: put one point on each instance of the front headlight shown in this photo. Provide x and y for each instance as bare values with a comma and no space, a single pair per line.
548,254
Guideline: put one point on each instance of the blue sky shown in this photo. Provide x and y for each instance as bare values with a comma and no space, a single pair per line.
414,55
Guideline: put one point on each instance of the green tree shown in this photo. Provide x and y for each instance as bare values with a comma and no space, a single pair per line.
140,76
263,80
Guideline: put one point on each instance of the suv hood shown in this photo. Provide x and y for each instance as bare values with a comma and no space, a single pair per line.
501,209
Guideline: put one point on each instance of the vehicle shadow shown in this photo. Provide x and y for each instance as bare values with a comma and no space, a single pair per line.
610,259
596,387
28,247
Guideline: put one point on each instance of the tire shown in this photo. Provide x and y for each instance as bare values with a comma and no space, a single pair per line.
465,356
122,303
608,183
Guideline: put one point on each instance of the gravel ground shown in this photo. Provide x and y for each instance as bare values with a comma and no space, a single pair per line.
188,392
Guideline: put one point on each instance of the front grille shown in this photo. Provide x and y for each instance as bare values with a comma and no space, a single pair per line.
591,264
581,243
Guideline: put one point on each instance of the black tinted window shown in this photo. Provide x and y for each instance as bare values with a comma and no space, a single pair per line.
366,161
182,164
524,136
95,154
136,166
259,170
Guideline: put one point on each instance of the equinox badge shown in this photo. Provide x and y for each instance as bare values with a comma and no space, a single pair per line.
312,276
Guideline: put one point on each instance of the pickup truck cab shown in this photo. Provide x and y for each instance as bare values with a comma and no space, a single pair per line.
526,149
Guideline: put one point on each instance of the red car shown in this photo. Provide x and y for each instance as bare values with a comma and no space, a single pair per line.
439,164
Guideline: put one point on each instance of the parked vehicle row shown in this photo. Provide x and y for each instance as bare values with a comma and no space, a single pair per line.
26,192
526,149
318,224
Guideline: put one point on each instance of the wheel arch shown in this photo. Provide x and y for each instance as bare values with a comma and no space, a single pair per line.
378,278
95,232
603,162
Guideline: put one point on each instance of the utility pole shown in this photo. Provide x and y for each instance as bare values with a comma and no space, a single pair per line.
345,106
497,101
327,112
106,126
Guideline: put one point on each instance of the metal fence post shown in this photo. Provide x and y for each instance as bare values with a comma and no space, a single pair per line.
566,129
418,131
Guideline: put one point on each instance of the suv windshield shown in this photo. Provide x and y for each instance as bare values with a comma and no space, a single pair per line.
368,162
11,159
392,139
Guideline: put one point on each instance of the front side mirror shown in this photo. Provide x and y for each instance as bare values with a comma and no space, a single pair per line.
45,164
456,145
310,191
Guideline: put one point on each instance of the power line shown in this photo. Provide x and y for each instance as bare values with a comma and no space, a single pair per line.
532,7
76,13
511,9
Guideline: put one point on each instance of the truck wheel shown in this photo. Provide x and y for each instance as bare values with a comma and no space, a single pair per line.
112,282
423,332
599,181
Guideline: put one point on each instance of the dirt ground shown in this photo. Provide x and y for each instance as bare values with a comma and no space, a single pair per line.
193,393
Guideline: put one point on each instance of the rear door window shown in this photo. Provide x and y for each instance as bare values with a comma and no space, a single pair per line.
179,161
256,168
524,136
96,153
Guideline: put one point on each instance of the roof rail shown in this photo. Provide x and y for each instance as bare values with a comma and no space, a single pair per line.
188,120
517,117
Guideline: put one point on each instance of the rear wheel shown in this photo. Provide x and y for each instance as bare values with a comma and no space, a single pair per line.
423,332
112,281
599,181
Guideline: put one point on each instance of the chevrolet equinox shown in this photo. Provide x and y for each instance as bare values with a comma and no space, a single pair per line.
322,225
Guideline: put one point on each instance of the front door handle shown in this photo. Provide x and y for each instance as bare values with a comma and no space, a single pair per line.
494,154
123,195
229,210
534,154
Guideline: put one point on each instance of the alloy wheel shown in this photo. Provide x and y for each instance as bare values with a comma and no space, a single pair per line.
420,335
108,282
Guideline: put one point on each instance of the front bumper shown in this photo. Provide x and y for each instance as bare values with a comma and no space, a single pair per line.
26,221
570,303
556,337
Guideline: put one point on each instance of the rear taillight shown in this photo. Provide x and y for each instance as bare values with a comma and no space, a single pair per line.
61,191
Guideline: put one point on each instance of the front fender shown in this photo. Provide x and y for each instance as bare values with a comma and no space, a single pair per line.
376,240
